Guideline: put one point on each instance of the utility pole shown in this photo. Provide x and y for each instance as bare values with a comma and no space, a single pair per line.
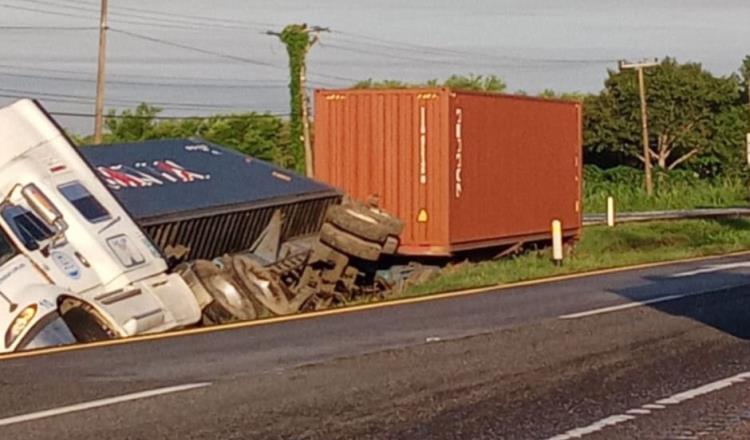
287,36
100,74
638,67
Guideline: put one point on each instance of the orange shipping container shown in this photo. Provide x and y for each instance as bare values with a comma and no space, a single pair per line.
463,170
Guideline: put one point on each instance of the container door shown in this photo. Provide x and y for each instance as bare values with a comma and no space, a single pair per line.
392,144
428,181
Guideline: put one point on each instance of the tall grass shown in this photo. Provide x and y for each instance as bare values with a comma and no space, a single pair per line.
673,190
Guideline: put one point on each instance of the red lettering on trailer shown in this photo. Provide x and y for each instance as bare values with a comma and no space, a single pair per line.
119,176
117,179
174,169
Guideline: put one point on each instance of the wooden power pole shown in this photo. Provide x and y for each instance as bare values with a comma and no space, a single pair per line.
100,74
638,67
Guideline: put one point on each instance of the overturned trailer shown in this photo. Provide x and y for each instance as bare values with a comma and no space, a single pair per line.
196,199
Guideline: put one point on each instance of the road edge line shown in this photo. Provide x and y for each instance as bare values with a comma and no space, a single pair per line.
100,403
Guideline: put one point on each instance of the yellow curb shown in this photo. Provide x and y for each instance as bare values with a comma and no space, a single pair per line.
360,308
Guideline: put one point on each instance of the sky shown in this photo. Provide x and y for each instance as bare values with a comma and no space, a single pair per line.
198,57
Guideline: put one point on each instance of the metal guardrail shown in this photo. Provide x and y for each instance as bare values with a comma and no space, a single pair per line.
630,217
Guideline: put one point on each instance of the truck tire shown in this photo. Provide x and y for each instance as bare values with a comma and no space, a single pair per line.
83,322
349,244
229,303
363,222
394,224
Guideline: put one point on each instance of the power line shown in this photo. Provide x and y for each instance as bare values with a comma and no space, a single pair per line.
94,15
381,53
87,103
201,19
169,118
159,24
500,63
194,49
144,19
353,38
218,54
411,47
43,11
403,46
48,28
89,99
145,83
147,77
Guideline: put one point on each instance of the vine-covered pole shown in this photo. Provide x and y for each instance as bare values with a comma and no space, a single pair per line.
299,39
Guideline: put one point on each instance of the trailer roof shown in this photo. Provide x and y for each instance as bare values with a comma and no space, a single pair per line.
175,179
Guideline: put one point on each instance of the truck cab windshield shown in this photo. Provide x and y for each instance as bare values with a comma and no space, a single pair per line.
29,229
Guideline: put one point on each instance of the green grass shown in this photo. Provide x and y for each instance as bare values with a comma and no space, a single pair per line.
678,190
599,248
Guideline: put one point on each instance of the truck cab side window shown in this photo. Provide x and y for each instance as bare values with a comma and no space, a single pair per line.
84,202
29,229
7,250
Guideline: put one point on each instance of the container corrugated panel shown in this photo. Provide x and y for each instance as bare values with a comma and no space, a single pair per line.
208,198
517,163
463,170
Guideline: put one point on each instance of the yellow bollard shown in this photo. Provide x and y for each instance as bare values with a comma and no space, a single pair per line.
610,211
557,244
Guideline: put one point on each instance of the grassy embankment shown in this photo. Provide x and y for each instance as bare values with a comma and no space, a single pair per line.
678,190
599,248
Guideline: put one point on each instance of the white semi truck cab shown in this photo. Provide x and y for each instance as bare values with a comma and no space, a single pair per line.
74,266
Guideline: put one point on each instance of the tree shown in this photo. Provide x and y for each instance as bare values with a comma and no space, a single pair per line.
471,82
131,126
385,84
477,83
688,109
565,96
260,135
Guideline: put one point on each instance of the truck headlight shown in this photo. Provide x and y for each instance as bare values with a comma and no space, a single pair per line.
19,324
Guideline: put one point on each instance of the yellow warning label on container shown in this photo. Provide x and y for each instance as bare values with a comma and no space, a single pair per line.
422,216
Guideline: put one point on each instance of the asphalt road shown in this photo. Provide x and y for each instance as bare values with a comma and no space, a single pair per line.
582,358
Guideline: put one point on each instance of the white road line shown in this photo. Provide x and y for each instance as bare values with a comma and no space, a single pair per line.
705,389
711,268
652,407
594,427
635,304
630,305
100,403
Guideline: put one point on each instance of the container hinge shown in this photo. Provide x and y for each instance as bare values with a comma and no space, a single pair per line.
423,145
459,152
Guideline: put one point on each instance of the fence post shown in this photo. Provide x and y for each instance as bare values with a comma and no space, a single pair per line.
610,211
557,244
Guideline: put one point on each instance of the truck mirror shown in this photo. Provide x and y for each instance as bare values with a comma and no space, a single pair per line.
41,205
